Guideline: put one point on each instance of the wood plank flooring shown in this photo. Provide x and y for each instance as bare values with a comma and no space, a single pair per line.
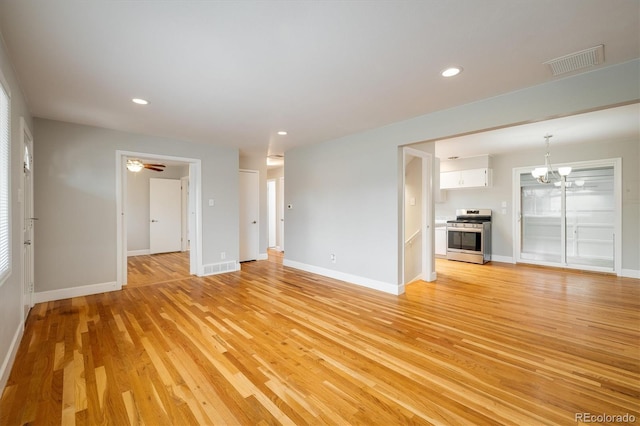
485,344
156,268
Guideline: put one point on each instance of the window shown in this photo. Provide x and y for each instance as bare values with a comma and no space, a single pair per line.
5,240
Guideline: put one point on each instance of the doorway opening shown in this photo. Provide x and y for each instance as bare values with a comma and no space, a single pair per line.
28,220
135,226
418,260
275,200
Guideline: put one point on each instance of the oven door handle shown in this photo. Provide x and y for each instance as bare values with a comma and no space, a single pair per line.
464,229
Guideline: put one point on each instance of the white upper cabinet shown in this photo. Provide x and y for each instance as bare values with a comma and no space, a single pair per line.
472,178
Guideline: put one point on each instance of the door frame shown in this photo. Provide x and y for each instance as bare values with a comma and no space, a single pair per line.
26,139
617,243
428,252
195,207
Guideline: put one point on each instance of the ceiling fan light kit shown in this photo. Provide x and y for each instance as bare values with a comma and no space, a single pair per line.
135,165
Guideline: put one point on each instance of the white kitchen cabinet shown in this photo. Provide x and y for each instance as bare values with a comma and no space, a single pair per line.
472,178
441,241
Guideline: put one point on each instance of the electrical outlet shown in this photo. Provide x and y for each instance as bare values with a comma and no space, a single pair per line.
223,255
332,257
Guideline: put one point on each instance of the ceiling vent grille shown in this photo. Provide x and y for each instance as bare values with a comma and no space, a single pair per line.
576,61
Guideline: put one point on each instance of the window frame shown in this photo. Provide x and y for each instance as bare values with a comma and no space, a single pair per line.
5,182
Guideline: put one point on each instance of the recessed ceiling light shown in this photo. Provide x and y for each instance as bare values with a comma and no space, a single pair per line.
452,71
282,133
139,101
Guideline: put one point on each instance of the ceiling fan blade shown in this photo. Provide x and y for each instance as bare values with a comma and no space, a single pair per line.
153,168
155,165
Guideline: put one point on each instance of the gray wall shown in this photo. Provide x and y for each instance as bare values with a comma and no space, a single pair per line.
138,203
503,165
346,192
11,290
75,199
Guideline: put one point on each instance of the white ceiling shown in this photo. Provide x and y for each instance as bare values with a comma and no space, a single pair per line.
236,72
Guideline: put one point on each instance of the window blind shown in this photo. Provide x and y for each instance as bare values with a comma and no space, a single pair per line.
5,249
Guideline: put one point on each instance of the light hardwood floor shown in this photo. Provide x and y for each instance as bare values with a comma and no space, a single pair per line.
485,344
157,268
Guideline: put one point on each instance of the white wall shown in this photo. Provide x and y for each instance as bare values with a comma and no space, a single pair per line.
138,203
11,325
503,165
354,210
75,199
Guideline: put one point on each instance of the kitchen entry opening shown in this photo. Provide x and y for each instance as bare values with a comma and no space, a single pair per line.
574,222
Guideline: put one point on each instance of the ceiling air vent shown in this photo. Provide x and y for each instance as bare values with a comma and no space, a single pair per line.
578,60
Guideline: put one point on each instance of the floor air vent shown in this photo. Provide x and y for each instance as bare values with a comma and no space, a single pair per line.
219,268
578,60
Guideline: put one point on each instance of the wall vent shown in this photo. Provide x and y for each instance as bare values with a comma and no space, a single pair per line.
576,61
219,268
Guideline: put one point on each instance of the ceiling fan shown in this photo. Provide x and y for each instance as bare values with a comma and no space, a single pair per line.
135,165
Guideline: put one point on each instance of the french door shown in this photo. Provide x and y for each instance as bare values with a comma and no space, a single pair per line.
572,222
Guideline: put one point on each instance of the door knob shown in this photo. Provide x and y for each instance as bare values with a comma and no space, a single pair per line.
154,221
254,222
27,243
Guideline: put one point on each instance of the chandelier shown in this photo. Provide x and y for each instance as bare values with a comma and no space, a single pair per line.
546,174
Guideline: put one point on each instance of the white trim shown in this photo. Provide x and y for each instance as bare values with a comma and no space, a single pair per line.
349,278
68,293
7,363
138,252
630,273
195,209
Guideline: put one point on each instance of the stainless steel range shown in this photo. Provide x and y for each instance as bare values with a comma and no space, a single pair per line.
469,236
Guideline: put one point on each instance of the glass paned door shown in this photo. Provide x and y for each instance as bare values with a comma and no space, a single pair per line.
591,217
572,224
541,223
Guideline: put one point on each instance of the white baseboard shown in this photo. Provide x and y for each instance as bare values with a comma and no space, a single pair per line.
67,293
630,273
10,357
138,252
503,259
263,256
352,279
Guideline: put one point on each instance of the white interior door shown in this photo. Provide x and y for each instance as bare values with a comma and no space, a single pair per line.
273,217
184,187
249,213
27,222
280,215
165,215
